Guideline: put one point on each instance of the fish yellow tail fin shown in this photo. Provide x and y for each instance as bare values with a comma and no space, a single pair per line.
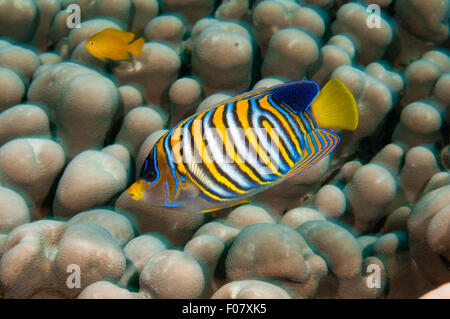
335,107
136,46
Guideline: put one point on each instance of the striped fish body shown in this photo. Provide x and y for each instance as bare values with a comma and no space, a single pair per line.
231,151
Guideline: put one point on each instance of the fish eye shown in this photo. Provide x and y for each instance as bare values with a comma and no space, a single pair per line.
149,175
91,43
148,171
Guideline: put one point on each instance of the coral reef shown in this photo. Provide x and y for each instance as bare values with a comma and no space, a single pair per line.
370,220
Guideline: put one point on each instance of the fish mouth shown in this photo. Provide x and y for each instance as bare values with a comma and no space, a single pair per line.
136,191
134,196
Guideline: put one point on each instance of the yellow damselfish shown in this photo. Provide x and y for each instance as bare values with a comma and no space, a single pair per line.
114,44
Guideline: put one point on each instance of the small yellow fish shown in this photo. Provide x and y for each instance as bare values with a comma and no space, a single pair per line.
114,44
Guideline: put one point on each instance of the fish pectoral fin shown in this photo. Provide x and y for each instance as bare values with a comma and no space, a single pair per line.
335,107
245,201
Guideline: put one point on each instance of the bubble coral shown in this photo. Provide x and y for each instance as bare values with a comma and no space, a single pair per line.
14,210
219,229
331,201
21,60
130,97
232,10
192,10
290,53
420,165
440,94
271,16
371,43
415,17
44,251
422,75
250,289
104,290
368,202
22,17
32,165
247,215
211,100
222,56
300,215
427,228
396,220
386,74
405,281
168,29
47,10
13,88
184,95
76,94
140,249
91,179
420,124
272,251
118,226
91,248
153,78
34,122
144,11
344,262
162,278
338,51
139,123
209,251
344,258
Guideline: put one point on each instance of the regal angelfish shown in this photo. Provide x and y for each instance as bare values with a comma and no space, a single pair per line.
227,153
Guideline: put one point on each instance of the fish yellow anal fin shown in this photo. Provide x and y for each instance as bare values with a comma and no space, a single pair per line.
335,107
136,47
212,209
119,55
245,201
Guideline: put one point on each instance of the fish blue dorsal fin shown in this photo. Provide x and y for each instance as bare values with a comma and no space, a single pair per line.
295,95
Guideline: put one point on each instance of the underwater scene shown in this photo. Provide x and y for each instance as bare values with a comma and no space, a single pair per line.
224,149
